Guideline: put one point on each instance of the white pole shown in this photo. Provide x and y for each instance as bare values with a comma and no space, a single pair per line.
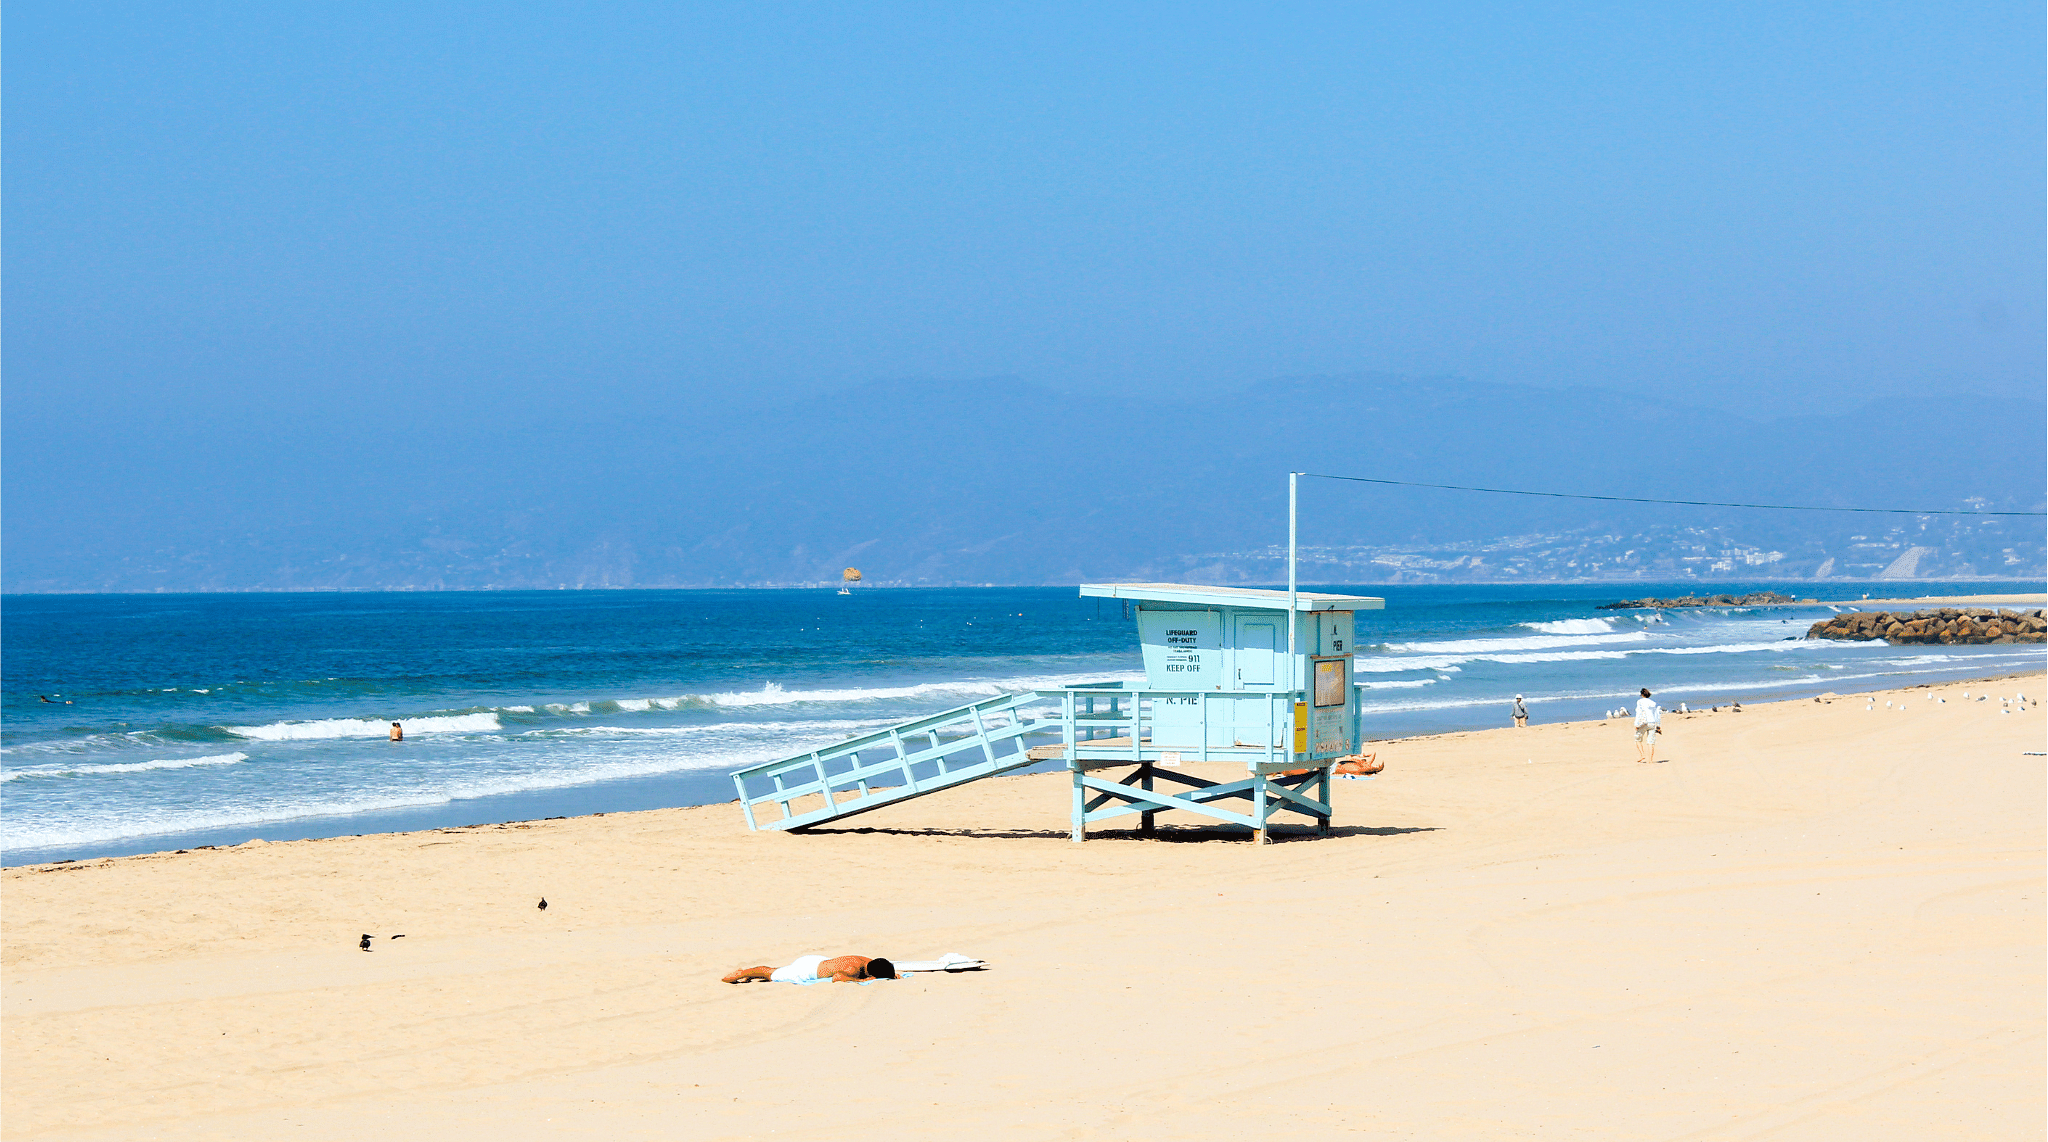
1293,672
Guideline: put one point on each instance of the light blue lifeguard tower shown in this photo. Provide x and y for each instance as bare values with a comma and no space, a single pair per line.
1237,675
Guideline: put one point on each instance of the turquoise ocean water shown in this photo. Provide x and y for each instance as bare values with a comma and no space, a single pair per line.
182,720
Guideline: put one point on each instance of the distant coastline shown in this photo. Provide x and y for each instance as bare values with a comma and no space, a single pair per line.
1821,585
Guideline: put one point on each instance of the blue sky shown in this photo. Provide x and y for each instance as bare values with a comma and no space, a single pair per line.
272,201
235,221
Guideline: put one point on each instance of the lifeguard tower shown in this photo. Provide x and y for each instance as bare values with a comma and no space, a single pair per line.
1232,674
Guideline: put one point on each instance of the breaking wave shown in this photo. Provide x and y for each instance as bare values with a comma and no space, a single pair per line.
774,694
1573,626
1450,661
1493,645
836,725
771,694
126,767
152,820
366,727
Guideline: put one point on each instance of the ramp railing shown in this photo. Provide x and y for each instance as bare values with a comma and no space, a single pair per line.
907,760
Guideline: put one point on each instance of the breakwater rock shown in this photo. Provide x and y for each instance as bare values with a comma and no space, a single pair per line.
1948,625
1751,600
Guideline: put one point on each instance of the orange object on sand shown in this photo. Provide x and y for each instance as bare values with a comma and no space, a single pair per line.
1359,764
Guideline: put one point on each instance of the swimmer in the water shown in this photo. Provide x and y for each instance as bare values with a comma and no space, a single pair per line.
53,701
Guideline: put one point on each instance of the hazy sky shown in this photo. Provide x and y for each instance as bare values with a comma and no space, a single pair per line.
223,217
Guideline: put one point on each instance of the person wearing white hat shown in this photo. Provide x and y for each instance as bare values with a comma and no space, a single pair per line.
1521,714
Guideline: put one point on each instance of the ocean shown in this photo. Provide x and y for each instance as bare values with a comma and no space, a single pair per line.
139,723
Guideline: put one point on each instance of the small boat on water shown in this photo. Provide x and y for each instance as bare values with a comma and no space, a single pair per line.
850,576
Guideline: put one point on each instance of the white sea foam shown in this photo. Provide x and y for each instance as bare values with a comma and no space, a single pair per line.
1389,663
137,821
1574,626
1403,684
92,743
1781,646
774,694
1932,659
127,766
1495,645
836,725
366,727
770,694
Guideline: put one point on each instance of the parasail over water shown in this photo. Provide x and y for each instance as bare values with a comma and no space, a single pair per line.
851,574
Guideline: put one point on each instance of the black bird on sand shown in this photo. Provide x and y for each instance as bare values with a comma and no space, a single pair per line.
365,945
543,903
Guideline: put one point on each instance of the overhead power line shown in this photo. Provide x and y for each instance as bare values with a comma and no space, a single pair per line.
1647,500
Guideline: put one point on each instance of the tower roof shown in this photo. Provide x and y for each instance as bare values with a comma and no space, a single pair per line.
1254,598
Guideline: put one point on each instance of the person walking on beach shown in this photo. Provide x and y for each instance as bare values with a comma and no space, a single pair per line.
1649,723
811,969
1521,714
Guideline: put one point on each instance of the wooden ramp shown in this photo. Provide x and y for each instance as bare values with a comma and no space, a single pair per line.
920,756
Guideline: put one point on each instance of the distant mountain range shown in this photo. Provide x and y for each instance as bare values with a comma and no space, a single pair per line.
1004,481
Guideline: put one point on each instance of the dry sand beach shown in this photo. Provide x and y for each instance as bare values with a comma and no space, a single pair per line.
1813,920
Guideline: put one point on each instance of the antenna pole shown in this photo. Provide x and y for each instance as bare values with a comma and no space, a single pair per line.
1293,499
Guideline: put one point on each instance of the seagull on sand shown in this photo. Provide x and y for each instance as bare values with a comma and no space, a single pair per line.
365,945
543,903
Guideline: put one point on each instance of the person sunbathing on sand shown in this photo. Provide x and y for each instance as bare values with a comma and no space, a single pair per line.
1356,765
1359,765
838,969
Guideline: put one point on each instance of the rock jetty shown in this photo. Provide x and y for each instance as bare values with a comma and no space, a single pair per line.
1751,600
1949,626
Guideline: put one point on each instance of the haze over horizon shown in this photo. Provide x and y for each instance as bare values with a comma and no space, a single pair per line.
464,296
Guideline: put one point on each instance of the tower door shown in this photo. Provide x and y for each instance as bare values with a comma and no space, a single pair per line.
1258,650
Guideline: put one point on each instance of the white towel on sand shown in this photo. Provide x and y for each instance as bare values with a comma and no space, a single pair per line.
951,961
803,970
